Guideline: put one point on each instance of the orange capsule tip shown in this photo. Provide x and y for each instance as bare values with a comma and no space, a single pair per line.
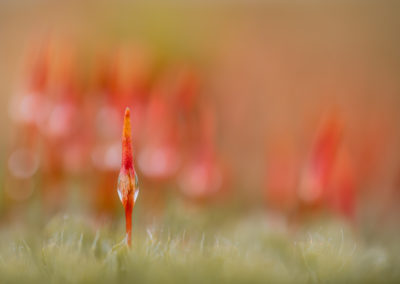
126,141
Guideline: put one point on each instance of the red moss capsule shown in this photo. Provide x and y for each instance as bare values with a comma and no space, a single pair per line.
128,188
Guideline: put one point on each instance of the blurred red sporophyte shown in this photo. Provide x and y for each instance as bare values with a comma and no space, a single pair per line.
128,188
321,162
344,184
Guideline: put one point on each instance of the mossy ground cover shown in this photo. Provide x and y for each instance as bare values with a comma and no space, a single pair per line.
194,248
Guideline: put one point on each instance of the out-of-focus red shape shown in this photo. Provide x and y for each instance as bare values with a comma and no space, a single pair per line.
281,175
159,157
343,185
204,176
184,84
318,170
330,181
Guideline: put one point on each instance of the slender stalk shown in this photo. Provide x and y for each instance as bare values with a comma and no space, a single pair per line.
128,221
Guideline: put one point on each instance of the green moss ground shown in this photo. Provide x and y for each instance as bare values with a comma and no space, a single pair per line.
194,248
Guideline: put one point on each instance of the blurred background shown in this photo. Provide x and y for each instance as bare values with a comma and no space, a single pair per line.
286,107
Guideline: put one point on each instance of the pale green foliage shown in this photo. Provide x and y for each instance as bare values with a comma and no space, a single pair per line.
252,250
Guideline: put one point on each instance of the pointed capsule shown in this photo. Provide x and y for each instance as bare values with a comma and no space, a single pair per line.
128,188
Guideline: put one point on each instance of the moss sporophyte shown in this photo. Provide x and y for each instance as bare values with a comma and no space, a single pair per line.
128,188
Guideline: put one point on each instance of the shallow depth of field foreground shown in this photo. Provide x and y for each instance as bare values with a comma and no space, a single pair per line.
185,249
172,141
